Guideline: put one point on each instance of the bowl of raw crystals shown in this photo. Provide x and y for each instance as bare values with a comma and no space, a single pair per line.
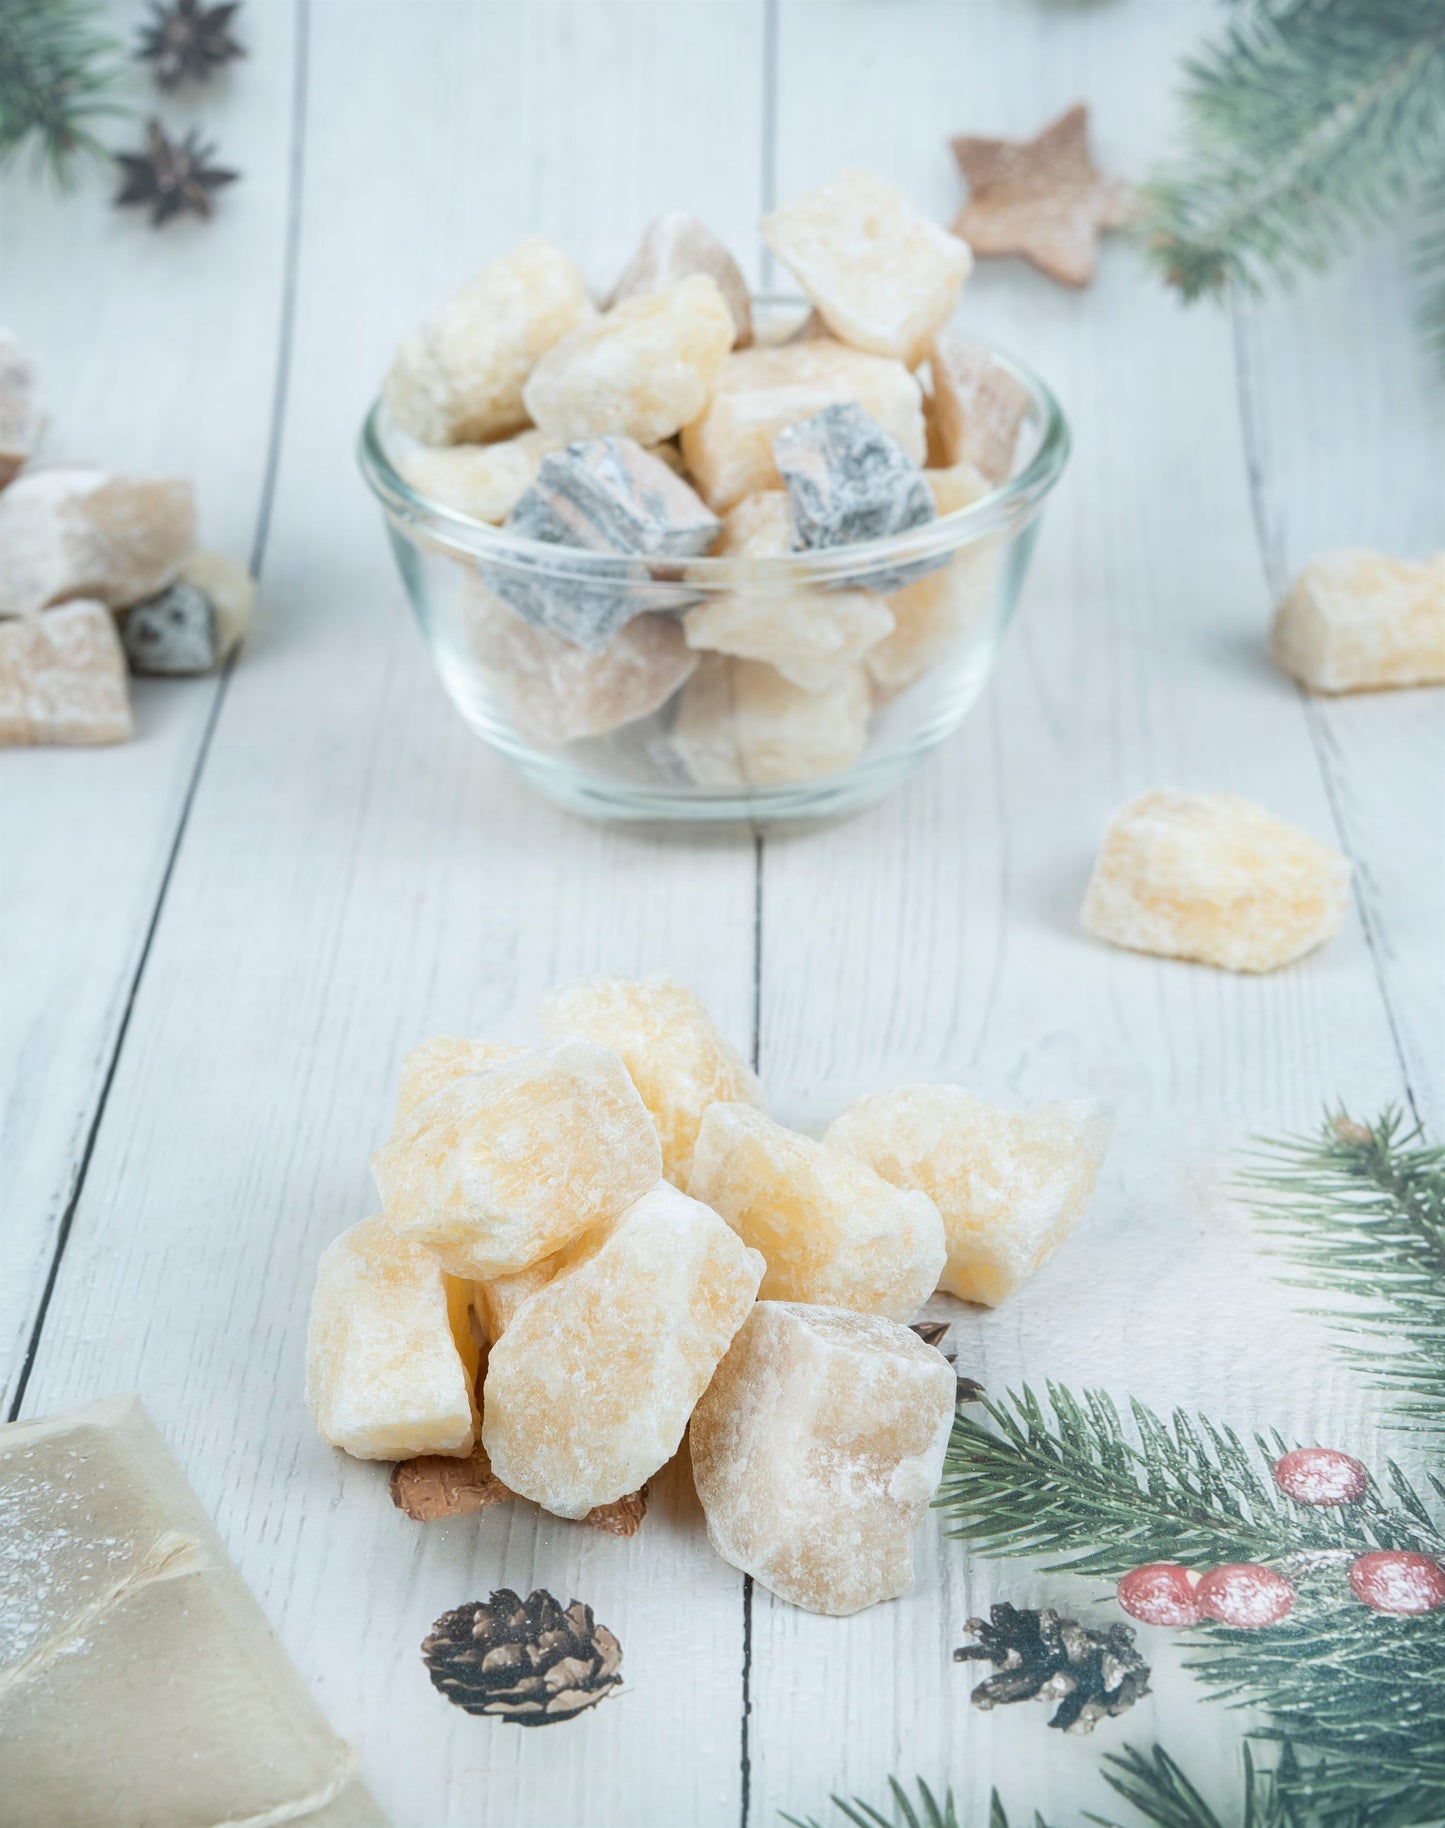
703,555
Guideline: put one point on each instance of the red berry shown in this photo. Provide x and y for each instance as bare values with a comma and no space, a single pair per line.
1321,1475
1244,1594
1160,1593
1398,1581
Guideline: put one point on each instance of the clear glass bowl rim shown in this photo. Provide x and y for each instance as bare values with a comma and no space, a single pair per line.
1003,507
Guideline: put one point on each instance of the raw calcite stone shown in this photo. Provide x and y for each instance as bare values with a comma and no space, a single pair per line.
63,678
882,276
82,533
231,591
642,370
729,447
1358,621
676,245
504,1167
385,1373
740,723
498,1300
1213,877
591,1385
811,636
976,409
140,1684
19,409
679,1062
556,692
816,1450
484,481
1010,1187
830,1229
848,481
172,635
433,1065
937,610
459,379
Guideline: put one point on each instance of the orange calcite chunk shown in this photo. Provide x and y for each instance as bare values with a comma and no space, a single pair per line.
435,1064
976,409
484,481
385,1373
740,723
678,244
1213,877
498,1300
1358,621
816,1450
79,532
504,1167
1010,1188
679,1062
943,607
831,1230
63,678
590,1386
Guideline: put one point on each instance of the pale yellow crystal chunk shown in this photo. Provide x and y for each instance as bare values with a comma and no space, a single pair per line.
665,1038
19,409
63,678
498,1300
882,276
831,1230
385,1376
641,371
459,379
729,448
503,1167
231,590
1010,1187
816,1450
484,481
1359,621
590,1386
811,636
976,409
678,244
940,610
1213,877
433,1065
77,532
740,723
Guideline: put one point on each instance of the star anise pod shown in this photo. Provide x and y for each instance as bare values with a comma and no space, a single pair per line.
171,176
187,41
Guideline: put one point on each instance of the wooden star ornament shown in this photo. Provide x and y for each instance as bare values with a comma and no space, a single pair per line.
1043,198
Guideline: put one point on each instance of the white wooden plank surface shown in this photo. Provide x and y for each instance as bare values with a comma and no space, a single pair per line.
156,352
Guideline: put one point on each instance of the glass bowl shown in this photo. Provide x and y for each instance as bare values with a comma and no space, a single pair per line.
708,736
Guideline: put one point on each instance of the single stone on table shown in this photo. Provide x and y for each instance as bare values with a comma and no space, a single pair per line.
1358,621
883,277
600,495
484,481
740,723
976,409
433,1065
172,635
676,245
816,1449
82,533
1010,1187
63,678
232,592
504,1167
848,481
936,611
665,1038
831,1230
590,1387
729,447
459,379
811,636
1215,878
19,409
556,692
390,1363
642,370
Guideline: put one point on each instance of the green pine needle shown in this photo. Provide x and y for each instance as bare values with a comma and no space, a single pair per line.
57,72
1360,1212
1430,268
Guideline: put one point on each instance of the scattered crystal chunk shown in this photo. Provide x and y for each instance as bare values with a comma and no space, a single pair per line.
831,1230
19,409
431,1066
740,723
590,1386
484,481
83,533
816,1450
231,590
1358,621
174,634
1010,1187
676,245
63,678
976,409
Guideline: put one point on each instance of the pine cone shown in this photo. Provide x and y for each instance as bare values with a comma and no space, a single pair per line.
523,1660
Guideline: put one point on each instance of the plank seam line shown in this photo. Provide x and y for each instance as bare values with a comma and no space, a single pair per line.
258,549
1272,564
768,171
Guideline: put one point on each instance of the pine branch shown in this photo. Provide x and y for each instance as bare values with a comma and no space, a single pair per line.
1361,1212
1310,121
1430,267
57,71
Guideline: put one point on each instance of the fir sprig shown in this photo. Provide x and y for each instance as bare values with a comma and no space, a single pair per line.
930,1812
57,73
1360,1211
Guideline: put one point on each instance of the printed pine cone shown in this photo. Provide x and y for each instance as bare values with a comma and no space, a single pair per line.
1091,1674
523,1660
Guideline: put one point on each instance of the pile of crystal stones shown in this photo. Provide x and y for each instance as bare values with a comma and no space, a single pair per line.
588,1247
660,427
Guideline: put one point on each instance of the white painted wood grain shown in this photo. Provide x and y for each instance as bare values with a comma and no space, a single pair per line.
359,872
155,352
